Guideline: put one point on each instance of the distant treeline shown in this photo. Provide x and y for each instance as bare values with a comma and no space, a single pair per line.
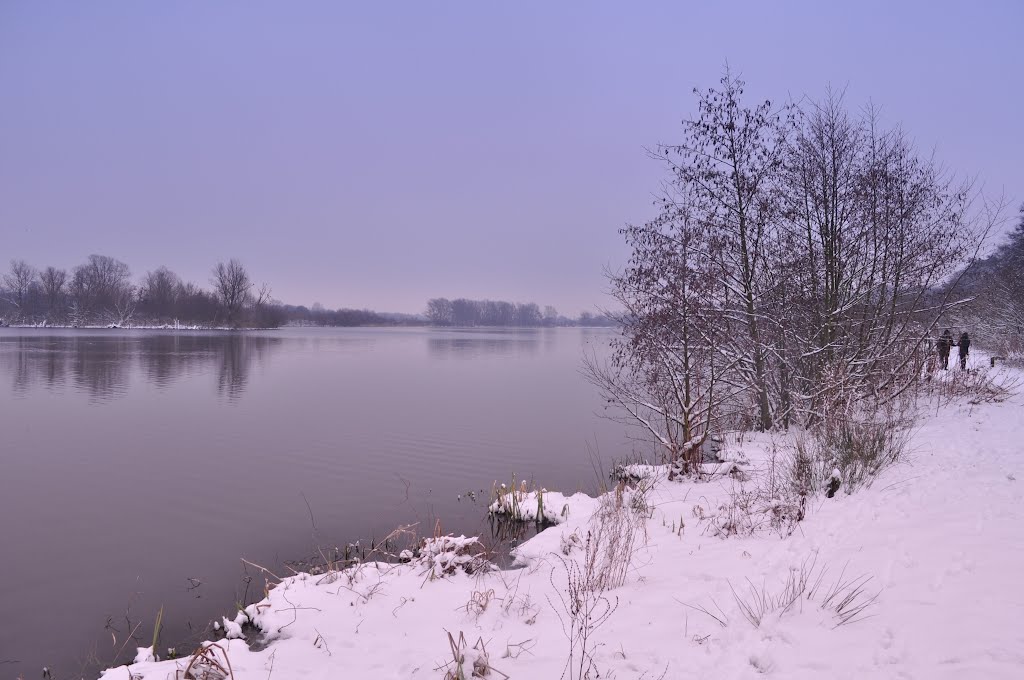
465,312
317,315
101,292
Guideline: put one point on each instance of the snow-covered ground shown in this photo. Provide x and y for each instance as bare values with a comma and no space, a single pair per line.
937,541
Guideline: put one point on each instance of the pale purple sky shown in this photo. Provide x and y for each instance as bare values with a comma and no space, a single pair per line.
378,154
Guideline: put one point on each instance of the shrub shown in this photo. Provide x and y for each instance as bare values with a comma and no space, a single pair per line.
846,451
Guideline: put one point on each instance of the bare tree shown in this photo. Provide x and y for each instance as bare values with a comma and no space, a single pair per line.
550,315
264,313
528,314
465,312
439,311
53,282
799,258
124,305
669,376
728,163
195,304
232,286
872,230
99,288
158,294
262,296
100,291
18,282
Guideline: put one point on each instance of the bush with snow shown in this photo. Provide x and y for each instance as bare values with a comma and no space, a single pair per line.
519,504
444,555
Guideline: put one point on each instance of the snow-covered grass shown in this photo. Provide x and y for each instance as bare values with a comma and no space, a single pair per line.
519,503
912,576
981,384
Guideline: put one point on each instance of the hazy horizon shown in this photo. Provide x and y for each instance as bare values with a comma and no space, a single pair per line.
371,157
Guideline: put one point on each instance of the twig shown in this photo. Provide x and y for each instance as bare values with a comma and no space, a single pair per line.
311,520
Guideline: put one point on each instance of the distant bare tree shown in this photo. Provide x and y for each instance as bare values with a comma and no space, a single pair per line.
53,282
195,304
264,313
262,296
439,311
100,291
232,286
528,314
550,315
18,282
158,294
99,287
124,304
465,312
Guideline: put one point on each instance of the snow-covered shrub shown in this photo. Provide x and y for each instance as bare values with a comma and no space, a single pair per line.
569,542
523,504
520,503
444,555
633,469
803,467
758,501
860,450
850,450
737,516
637,474
980,385
749,510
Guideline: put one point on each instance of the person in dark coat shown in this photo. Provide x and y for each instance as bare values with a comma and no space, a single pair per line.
945,345
965,346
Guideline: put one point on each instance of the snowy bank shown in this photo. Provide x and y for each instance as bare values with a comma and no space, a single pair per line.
914,576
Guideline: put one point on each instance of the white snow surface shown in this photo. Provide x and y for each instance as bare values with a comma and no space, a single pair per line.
941,536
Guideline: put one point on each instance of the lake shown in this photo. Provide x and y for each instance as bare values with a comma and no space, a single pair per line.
137,468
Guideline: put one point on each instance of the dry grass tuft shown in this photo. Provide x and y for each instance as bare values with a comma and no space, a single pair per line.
209,662
847,599
462,667
976,386
613,535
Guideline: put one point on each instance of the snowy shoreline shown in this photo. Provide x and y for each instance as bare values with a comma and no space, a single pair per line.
928,556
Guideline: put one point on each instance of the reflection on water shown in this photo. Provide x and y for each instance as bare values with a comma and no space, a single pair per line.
103,364
473,345
100,369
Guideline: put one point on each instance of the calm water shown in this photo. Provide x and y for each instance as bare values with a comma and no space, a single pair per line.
136,468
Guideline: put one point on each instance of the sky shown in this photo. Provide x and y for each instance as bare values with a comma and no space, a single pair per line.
377,154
